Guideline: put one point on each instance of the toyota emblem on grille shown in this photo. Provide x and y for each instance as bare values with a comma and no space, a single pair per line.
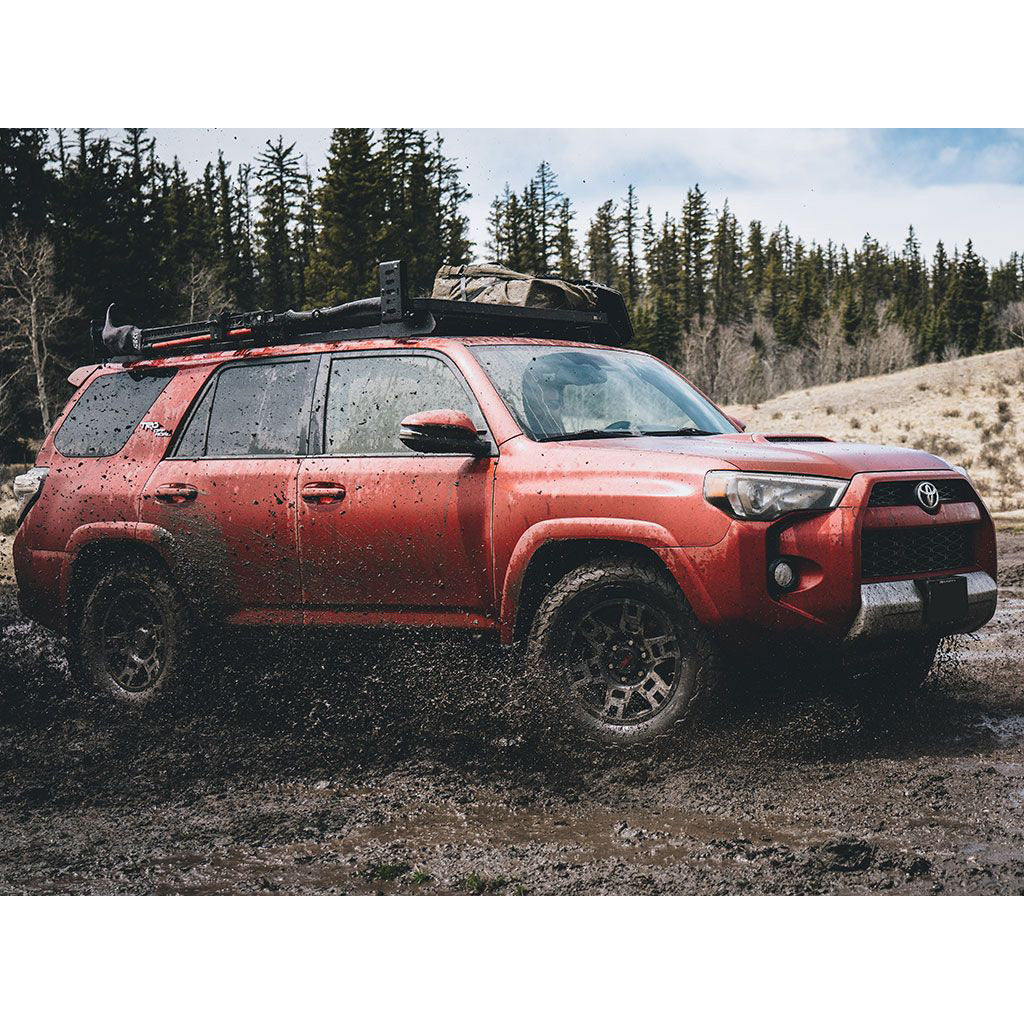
927,496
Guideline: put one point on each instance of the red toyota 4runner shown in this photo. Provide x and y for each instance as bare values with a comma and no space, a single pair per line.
406,469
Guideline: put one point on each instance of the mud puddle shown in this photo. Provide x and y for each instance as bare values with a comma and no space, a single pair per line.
400,769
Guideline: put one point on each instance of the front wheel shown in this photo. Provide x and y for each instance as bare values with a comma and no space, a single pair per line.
133,640
617,648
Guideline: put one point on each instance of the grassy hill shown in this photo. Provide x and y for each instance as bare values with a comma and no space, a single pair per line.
968,411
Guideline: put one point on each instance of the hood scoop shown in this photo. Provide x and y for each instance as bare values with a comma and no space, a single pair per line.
790,439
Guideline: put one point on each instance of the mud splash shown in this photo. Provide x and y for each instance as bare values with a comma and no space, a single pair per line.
404,765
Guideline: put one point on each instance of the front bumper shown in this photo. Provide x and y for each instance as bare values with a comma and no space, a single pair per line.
897,609
727,583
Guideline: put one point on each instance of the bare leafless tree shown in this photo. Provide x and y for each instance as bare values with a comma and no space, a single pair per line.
8,395
32,310
1012,321
202,291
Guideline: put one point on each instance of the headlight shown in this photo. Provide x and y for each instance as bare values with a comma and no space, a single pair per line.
766,496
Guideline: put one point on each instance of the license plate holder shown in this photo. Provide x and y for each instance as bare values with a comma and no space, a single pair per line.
945,601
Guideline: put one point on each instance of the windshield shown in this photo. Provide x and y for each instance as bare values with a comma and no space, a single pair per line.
560,393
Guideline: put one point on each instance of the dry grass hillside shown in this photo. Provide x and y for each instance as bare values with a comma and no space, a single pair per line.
969,411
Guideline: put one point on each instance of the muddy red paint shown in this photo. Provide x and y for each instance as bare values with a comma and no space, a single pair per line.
307,516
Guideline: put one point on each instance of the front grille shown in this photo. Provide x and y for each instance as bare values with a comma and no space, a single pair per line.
888,493
915,550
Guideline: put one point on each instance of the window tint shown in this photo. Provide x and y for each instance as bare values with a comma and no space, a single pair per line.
103,419
367,399
258,409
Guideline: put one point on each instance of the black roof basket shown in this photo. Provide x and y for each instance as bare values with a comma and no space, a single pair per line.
392,314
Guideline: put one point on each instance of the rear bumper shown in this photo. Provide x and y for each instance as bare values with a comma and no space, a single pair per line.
897,609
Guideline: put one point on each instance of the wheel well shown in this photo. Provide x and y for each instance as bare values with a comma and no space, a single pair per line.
551,561
96,556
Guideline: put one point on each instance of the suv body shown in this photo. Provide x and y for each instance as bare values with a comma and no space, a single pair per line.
269,486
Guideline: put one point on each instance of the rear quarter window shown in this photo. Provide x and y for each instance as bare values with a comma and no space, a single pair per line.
107,413
259,409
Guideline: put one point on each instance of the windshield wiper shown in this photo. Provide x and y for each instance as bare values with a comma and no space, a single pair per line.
587,435
681,432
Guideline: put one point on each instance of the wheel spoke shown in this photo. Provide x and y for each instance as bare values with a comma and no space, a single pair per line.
661,648
654,690
134,639
623,648
631,619
598,634
583,674
615,700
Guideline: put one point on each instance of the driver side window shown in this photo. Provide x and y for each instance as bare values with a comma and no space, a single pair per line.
369,396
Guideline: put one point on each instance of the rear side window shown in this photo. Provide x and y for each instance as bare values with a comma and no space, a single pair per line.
259,409
110,409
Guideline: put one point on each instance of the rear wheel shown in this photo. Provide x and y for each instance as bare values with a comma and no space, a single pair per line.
133,641
618,651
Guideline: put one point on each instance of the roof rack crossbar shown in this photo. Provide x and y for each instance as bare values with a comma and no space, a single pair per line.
391,314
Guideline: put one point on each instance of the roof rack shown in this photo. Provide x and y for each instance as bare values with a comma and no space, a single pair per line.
392,314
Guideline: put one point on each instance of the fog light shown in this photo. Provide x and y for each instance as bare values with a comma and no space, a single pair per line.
783,575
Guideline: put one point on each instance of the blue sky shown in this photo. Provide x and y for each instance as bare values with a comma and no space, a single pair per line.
833,182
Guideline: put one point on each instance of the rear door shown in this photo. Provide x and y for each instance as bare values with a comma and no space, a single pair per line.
227,493
384,529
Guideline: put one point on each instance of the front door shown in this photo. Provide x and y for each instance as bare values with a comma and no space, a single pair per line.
227,494
387,534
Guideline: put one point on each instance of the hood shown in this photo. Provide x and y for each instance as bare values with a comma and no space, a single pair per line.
780,453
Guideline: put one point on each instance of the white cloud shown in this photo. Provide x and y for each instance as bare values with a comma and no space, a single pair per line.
824,183
833,183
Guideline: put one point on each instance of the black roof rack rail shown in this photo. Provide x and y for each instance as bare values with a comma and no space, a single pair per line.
392,314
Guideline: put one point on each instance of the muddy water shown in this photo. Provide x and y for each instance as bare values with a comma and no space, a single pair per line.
402,765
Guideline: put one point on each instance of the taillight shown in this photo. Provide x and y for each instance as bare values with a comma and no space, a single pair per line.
26,489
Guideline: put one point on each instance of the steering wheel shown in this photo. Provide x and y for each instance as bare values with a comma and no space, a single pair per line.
620,425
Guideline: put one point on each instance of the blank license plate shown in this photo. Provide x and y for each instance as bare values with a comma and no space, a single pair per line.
945,600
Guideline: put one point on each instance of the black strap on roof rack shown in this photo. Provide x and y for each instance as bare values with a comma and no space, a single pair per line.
392,314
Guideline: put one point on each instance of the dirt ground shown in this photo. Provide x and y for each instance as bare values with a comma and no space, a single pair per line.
399,767
964,410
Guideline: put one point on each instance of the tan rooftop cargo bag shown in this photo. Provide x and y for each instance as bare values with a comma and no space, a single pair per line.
492,283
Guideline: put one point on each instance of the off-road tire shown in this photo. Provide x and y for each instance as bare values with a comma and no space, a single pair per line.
553,645
163,647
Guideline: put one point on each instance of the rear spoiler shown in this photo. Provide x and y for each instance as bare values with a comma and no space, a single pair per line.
79,376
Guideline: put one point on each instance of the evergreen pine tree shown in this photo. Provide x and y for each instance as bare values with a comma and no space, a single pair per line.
497,237
548,199
348,213
279,191
603,238
695,241
629,280
964,306
567,254
911,291
452,195
243,211
727,285
25,184
755,261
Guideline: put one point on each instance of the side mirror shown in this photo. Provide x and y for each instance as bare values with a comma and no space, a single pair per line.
738,424
442,432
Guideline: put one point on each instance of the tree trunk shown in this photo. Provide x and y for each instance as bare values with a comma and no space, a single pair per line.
37,347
